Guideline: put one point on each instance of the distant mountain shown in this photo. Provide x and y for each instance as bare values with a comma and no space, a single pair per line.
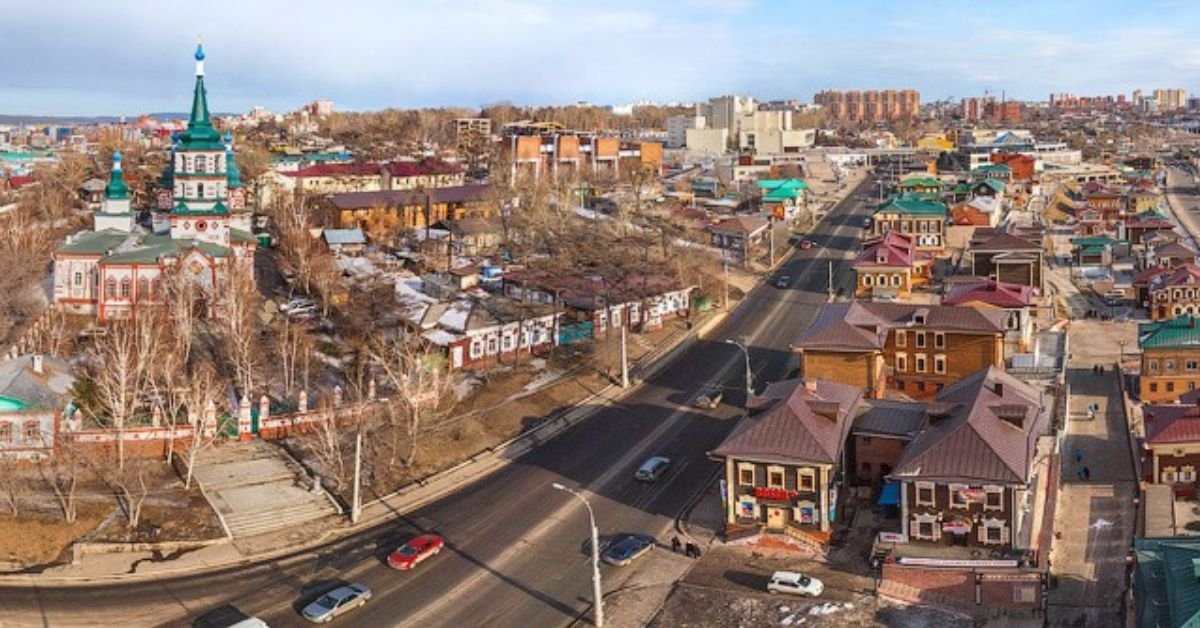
81,120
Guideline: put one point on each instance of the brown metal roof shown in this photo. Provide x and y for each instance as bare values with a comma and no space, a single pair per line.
791,432
978,441
885,417
406,198
861,325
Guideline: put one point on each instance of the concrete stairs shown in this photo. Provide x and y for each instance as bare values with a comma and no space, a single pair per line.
258,488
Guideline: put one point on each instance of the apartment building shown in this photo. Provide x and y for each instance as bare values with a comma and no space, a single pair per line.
871,105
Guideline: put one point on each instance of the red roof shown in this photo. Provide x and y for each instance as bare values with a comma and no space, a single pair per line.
1146,276
419,168
997,293
17,182
1188,274
1176,423
893,249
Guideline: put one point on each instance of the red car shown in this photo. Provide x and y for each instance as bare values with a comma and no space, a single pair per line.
415,551
807,244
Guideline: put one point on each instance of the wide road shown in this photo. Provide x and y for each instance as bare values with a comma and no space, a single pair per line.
513,555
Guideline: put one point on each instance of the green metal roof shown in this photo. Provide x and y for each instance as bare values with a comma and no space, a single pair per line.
921,182
94,242
181,209
995,184
9,404
116,188
1166,582
998,168
914,204
1179,332
1092,241
237,235
790,184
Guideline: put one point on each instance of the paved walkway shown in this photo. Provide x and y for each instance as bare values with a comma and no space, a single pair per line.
1094,518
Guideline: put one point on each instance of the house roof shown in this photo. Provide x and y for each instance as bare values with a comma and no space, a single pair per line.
357,169
862,325
1179,332
971,435
1185,275
741,225
995,293
920,182
1146,276
34,391
1173,423
1174,250
407,198
886,417
336,237
1003,242
993,168
1165,577
421,168
914,204
806,423
893,249
995,184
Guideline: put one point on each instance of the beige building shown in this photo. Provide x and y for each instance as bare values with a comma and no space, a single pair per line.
1170,99
871,105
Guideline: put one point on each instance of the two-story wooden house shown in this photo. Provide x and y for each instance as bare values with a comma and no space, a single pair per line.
967,477
891,265
783,464
914,214
1171,450
1015,300
914,349
1170,358
1176,293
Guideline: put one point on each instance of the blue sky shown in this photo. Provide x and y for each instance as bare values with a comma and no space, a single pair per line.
129,57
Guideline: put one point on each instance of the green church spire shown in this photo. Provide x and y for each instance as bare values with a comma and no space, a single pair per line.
116,190
200,132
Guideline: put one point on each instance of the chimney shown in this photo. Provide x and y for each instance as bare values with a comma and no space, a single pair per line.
38,363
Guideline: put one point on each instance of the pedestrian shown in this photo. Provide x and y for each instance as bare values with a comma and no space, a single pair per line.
691,550
1079,472
1078,455
1087,474
675,544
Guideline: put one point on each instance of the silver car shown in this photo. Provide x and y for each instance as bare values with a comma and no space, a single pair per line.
336,602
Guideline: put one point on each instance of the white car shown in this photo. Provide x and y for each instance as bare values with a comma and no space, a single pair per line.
336,602
795,583
296,304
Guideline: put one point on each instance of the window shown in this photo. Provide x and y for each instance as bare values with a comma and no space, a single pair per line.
901,362
867,280
1168,475
895,280
1187,473
925,529
745,474
33,431
143,288
993,534
775,477
476,348
1169,366
110,288
993,498
939,340
901,338
1152,366
1153,387
200,190
78,278
920,362
807,480
201,164
492,344
507,341
5,432
924,493
939,364
1190,366
1170,386
125,288
920,336
957,499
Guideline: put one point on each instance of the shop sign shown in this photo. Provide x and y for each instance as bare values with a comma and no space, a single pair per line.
774,493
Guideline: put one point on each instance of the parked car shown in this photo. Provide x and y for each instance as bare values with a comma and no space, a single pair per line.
807,244
783,281
297,303
336,602
415,551
866,222
710,397
302,311
795,583
1114,297
627,548
653,469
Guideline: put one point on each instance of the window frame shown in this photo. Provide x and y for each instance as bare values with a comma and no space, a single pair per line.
925,486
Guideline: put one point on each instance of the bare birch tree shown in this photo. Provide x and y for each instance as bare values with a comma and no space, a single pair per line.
122,365
239,328
62,473
420,385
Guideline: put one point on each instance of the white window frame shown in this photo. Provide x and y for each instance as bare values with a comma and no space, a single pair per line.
1187,473
988,491
939,340
745,466
806,474
919,486
1169,475
901,338
919,340
920,362
901,362
957,501
939,364
782,476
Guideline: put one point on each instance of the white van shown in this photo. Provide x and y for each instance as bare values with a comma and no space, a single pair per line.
795,583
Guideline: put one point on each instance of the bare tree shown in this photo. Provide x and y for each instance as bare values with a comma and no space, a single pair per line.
121,370
11,487
326,445
62,473
420,383
239,328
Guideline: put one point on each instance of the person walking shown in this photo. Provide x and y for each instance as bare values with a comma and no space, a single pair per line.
1087,473
1078,455
675,544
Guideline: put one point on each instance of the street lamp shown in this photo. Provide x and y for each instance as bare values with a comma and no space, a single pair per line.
749,373
597,591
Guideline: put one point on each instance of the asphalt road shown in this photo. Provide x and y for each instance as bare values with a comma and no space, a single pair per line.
513,555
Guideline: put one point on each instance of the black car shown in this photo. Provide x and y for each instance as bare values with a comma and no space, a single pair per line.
627,548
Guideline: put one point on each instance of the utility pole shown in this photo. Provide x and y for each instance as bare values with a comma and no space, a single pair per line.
597,590
624,358
749,372
771,242
831,278
356,507
725,303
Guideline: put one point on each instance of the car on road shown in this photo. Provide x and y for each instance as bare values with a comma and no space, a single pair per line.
334,603
415,551
866,223
795,583
653,469
807,244
627,548
783,281
709,398
297,304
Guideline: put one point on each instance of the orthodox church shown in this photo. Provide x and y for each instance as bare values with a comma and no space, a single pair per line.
199,226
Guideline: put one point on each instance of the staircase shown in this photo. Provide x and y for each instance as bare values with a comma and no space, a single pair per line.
258,488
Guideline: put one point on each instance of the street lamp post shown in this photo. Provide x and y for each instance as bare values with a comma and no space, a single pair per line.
597,591
749,373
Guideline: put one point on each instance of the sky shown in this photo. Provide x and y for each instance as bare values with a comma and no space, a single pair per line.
124,57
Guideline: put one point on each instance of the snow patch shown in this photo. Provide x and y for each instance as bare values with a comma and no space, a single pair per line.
828,608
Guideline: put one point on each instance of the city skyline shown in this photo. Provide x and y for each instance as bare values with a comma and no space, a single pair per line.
118,59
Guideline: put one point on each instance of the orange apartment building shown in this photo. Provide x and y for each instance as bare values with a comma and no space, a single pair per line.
914,349
871,105
556,154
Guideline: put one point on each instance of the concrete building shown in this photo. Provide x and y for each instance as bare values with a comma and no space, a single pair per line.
678,126
1171,99
871,105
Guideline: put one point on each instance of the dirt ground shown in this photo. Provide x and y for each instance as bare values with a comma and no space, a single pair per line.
727,588
40,538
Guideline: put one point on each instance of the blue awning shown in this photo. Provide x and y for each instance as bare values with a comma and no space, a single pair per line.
890,495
